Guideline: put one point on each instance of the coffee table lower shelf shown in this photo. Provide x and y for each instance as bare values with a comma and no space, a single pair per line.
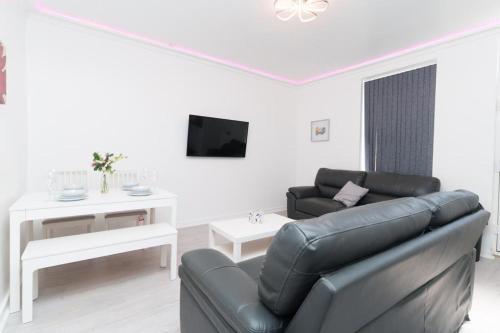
243,251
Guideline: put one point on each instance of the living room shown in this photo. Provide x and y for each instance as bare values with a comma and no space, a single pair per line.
128,78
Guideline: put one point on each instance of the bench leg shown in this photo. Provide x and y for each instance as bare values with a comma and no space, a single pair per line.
27,292
173,260
35,285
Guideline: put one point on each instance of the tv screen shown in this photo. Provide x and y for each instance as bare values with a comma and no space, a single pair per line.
215,137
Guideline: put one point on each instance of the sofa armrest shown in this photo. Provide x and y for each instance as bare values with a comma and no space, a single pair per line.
301,192
231,291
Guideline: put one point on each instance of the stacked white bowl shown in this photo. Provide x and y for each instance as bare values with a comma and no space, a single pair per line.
129,186
140,190
73,193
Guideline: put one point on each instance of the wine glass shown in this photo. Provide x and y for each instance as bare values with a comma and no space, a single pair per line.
153,178
52,183
149,177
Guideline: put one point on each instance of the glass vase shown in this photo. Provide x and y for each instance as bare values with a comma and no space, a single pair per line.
104,183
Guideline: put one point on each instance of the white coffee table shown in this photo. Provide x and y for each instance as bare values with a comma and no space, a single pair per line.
241,240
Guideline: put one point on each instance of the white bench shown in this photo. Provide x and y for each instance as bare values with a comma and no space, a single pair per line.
62,250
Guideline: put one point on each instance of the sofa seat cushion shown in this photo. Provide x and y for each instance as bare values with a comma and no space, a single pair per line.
318,206
397,185
304,250
370,198
449,206
228,291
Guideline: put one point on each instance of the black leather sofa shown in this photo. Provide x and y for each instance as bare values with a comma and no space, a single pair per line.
405,265
311,201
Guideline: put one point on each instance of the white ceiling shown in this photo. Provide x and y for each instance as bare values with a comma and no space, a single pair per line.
247,32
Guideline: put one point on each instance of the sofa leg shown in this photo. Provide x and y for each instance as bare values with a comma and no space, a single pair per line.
467,318
478,248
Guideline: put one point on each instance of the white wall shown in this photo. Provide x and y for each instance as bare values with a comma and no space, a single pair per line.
464,120
91,91
12,132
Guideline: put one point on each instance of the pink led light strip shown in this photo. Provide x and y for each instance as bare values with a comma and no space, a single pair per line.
397,53
42,8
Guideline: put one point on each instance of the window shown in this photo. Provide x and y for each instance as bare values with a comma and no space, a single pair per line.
399,122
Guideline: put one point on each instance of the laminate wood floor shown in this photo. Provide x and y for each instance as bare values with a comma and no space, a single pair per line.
131,293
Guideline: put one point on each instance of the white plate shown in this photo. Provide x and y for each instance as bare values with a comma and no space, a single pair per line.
125,188
140,189
73,193
73,187
140,194
129,186
64,199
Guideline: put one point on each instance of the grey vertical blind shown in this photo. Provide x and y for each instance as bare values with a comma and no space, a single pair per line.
399,122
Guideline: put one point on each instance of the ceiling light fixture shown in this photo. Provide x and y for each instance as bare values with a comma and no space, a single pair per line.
306,10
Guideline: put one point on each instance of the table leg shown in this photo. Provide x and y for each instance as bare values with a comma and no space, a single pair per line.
37,234
236,252
173,259
16,219
31,232
100,223
163,256
152,216
173,214
37,230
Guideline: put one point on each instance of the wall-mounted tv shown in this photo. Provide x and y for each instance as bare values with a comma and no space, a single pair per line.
215,137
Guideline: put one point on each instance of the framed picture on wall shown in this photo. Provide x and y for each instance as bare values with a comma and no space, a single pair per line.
3,74
320,130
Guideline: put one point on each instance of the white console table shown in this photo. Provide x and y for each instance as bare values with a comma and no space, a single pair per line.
39,206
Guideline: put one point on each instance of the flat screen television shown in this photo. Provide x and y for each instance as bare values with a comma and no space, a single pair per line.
215,137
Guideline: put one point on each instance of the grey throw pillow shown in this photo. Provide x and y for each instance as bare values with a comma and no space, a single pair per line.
350,194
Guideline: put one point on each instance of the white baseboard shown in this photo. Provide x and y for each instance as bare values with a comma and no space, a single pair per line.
4,311
207,220
488,256
488,248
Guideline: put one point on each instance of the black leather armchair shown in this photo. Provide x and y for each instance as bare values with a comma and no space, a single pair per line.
213,284
405,265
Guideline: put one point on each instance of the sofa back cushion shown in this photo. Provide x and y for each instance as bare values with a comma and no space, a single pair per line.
330,181
393,184
302,251
449,206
